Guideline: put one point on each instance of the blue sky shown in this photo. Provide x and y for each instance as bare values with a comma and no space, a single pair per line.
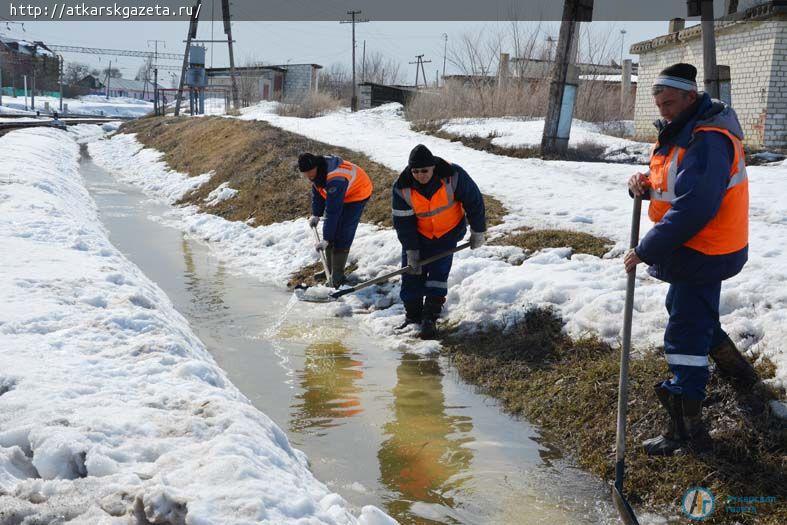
324,43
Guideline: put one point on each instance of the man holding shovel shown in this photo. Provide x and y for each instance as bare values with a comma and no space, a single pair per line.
340,190
432,201
699,202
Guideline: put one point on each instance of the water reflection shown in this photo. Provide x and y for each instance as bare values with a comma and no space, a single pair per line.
207,294
330,392
423,460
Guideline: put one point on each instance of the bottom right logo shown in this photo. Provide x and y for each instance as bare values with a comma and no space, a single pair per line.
698,503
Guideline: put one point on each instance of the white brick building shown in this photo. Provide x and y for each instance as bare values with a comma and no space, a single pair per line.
753,44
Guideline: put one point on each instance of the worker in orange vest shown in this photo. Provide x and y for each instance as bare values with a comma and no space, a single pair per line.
433,200
340,191
699,202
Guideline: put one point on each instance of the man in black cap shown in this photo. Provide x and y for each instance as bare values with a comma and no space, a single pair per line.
340,190
433,200
699,202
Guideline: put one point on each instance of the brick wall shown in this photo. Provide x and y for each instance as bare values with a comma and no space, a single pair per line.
757,55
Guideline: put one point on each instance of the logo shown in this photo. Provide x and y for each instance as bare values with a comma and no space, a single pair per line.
698,503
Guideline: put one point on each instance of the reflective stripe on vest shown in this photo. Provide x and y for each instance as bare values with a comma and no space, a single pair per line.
436,216
359,185
728,231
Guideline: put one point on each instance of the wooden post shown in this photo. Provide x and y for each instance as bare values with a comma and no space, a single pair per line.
709,49
625,87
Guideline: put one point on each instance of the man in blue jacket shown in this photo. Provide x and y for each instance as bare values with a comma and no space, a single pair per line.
698,192
340,191
432,201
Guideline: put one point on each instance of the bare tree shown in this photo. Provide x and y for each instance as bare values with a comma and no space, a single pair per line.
336,81
381,69
74,72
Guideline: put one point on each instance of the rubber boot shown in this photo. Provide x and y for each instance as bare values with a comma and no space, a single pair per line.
338,262
432,308
320,276
732,365
413,313
673,436
697,437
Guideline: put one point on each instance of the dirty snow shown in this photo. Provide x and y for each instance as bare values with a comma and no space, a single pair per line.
111,409
488,287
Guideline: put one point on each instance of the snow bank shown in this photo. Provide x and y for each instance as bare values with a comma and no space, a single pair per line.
222,193
110,407
86,105
487,287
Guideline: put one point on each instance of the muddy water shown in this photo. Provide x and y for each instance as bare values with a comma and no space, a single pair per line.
379,427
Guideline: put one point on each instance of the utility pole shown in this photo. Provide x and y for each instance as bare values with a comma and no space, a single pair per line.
565,79
622,44
190,35
225,14
709,49
419,65
445,50
353,21
109,76
155,74
363,63
704,9
60,77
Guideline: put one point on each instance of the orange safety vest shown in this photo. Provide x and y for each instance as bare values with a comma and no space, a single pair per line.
359,185
440,214
728,231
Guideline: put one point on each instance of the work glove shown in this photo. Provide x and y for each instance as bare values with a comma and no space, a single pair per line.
314,221
414,262
476,240
320,246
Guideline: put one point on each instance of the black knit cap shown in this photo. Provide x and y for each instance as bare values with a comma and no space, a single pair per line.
306,162
680,76
421,157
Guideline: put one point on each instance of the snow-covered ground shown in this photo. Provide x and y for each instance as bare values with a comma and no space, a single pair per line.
487,286
111,409
511,132
86,105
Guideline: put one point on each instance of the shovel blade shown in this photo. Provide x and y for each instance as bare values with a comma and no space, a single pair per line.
303,294
625,511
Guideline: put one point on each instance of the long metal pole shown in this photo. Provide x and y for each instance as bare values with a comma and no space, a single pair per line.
625,510
709,49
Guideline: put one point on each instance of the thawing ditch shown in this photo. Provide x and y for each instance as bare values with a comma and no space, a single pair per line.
379,427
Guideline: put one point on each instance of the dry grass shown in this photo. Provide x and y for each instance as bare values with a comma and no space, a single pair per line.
314,104
569,388
579,242
457,100
258,160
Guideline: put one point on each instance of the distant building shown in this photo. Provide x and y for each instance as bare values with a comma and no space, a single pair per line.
268,82
22,58
753,45
120,87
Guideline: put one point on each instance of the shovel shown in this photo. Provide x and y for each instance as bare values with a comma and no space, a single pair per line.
302,295
621,504
400,271
322,256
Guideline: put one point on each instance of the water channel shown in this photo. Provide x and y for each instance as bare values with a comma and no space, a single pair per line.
380,427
